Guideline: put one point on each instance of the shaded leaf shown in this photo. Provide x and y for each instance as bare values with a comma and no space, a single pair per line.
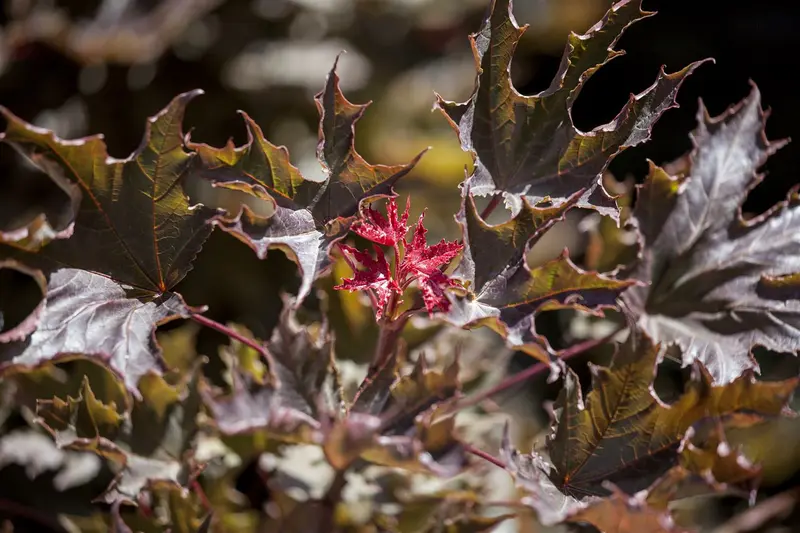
752,438
718,285
625,435
531,472
706,451
620,513
505,293
135,237
290,402
527,147
37,232
20,330
403,428
617,512
153,447
309,215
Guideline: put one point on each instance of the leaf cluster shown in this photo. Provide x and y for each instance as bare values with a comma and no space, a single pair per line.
171,432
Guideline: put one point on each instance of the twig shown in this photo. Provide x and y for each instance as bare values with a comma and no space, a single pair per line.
754,518
329,502
492,205
530,372
35,516
201,494
231,333
486,456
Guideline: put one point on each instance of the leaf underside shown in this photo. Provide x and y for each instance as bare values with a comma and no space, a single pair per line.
134,238
716,285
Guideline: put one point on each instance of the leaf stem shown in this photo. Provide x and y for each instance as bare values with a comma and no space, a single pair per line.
11,508
484,455
532,371
491,206
330,500
201,494
231,333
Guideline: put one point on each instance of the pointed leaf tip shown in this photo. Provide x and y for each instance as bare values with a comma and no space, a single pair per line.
541,124
713,301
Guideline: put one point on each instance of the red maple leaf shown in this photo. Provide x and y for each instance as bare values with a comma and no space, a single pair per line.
377,276
382,230
417,262
423,263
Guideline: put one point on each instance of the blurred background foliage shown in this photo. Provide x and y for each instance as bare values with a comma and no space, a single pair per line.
82,67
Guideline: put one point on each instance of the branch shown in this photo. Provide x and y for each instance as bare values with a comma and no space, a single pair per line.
530,372
231,333
486,456
491,206
329,502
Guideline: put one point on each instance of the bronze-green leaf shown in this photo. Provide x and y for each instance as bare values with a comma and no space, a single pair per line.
309,215
527,147
135,237
504,293
152,445
290,401
623,434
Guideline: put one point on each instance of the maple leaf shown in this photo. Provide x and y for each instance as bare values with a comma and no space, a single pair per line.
647,510
399,423
288,401
150,446
739,448
423,263
625,435
377,277
134,238
621,513
310,216
504,293
388,230
416,261
717,285
527,147
17,332
706,451
35,233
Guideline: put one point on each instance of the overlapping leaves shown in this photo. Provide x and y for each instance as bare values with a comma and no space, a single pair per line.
717,285
527,147
309,215
505,293
135,237
623,439
622,433
389,422
152,445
